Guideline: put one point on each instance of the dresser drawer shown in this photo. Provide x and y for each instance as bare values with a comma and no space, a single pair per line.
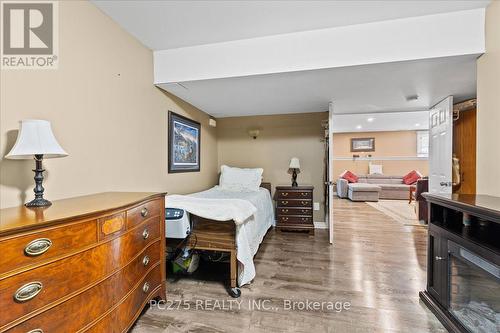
295,219
294,195
126,312
294,211
142,212
79,312
41,246
64,277
112,226
121,317
295,203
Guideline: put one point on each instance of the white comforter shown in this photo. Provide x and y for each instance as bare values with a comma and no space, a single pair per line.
249,231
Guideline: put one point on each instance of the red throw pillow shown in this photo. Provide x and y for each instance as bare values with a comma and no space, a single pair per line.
349,176
412,177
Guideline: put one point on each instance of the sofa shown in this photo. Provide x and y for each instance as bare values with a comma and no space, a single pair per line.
373,187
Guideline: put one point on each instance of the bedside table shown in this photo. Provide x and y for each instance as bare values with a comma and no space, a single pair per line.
294,208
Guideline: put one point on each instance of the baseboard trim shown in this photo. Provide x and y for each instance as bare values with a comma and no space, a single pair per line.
320,225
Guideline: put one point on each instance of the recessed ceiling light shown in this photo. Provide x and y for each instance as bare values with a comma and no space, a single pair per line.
359,127
417,124
370,119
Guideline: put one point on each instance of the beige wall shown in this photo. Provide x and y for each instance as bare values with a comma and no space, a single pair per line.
488,106
105,112
397,144
281,137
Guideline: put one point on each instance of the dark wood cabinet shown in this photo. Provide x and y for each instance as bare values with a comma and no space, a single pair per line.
437,265
294,208
86,263
463,265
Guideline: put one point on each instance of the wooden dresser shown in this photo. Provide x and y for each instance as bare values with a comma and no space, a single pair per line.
294,208
89,263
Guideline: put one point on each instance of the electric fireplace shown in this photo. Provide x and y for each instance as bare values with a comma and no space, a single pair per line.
474,290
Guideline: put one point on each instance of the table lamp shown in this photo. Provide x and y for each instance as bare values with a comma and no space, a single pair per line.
36,140
294,168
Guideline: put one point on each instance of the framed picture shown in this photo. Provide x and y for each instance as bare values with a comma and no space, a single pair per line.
362,144
184,139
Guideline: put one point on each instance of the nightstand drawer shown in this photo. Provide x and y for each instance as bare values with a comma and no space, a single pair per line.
294,211
295,219
295,195
295,203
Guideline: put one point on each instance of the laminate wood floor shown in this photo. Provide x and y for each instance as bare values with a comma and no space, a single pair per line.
376,266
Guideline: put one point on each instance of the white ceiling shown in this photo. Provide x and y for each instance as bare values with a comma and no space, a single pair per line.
172,24
356,89
375,122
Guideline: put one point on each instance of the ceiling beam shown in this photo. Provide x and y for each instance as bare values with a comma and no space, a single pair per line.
431,36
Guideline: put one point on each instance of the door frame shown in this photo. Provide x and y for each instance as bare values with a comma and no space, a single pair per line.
330,174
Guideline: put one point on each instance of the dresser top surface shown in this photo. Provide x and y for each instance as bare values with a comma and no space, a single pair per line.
298,188
22,218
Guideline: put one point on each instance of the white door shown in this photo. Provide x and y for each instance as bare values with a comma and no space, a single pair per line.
441,147
330,173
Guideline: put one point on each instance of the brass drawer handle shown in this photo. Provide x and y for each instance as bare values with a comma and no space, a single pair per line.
28,291
304,219
145,287
145,260
304,211
285,202
36,330
284,218
145,234
37,247
285,194
304,203
304,194
144,212
284,210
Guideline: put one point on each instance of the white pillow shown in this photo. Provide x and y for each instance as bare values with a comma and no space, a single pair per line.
237,179
376,169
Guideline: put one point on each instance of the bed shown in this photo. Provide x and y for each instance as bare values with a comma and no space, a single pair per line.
240,236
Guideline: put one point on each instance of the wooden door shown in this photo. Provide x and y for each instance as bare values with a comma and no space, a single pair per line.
464,148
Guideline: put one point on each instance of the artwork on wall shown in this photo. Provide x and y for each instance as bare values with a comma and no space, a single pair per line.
184,150
362,144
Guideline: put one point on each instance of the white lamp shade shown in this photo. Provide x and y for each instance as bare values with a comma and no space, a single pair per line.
294,163
35,137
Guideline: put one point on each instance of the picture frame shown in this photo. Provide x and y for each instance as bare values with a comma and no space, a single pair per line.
362,144
184,144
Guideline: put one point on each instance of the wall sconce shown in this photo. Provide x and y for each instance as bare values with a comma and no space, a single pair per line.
254,133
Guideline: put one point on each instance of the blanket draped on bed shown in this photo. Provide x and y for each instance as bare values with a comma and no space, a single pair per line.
252,212
214,209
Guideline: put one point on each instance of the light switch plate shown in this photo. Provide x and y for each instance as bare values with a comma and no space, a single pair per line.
316,206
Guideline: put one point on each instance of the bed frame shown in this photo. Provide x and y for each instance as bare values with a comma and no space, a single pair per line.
211,235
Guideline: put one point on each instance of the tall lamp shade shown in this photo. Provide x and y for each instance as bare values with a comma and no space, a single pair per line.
295,164
294,168
36,140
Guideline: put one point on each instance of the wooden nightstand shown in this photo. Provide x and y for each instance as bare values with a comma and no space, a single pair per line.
294,208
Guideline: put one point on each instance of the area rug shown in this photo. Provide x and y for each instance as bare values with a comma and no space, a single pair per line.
399,210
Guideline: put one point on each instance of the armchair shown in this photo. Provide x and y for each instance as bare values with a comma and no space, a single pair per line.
421,206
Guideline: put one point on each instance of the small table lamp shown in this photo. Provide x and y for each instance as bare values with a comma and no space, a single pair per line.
35,139
294,168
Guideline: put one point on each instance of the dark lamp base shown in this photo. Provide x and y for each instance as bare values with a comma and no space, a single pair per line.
38,202
294,178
